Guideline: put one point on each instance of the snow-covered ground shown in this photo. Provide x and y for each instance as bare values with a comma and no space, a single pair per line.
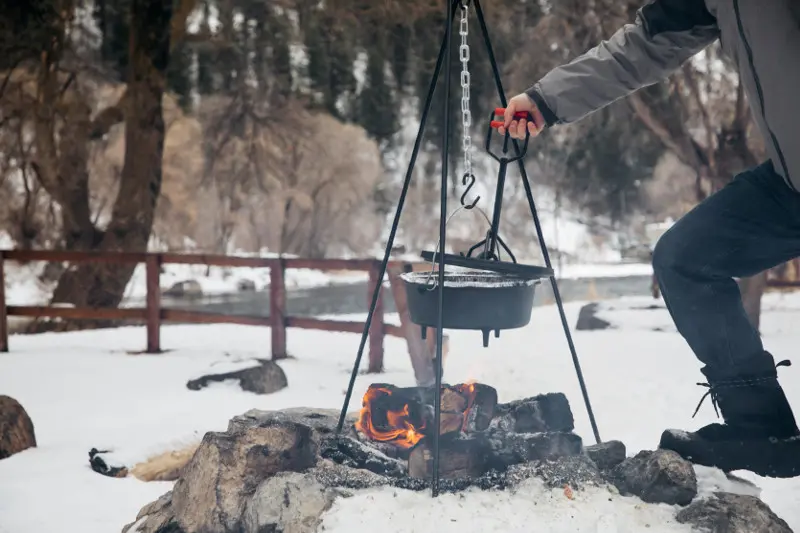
91,389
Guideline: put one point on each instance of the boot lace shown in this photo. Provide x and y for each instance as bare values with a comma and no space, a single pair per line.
712,389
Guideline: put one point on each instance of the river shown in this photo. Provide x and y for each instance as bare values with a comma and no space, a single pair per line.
352,298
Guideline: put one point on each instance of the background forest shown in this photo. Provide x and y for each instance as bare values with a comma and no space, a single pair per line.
285,126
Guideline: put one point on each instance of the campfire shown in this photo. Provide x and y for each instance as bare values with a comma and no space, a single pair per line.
404,417
477,434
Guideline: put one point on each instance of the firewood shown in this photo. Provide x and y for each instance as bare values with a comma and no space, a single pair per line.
463,407
458,458
482,410
545,412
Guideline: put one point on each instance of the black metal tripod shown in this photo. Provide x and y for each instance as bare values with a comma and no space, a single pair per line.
445,57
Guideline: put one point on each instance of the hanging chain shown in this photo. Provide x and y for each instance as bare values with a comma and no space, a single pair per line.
466,114
466,141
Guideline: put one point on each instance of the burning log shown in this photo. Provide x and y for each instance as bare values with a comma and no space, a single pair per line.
459,458
404,416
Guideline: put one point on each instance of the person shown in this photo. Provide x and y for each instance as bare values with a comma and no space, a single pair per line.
750,225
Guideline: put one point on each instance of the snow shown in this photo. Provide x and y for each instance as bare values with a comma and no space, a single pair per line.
532,507
603,270
95,389
216,280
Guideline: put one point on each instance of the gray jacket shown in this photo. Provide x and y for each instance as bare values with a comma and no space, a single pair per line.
761,36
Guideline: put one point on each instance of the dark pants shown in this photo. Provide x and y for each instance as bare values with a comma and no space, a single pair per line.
749,226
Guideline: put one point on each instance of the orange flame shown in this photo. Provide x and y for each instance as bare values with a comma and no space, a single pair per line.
468,390
400,428
401,431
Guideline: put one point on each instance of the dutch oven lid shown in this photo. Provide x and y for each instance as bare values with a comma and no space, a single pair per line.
468,278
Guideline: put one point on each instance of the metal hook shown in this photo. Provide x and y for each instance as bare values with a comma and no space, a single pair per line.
471,177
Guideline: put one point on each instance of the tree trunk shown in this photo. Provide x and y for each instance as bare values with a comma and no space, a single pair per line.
140,186
752,290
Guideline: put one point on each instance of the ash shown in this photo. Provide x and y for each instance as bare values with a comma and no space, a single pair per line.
334,475
351,464
577,471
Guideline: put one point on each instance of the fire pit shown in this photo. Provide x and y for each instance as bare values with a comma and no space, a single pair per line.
477,435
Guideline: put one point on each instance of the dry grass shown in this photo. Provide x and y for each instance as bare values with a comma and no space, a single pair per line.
166,466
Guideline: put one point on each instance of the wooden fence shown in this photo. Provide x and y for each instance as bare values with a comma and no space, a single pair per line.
153,314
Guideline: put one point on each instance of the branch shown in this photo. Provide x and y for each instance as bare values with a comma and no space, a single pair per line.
694,88
178,22
8,77
655,125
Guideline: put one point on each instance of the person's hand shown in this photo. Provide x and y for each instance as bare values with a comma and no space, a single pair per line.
516,127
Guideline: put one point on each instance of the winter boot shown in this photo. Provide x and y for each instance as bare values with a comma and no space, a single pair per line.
759,433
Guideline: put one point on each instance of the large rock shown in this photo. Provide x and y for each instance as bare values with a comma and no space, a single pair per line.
732,513
289,502
606,455
155,517
228,467
16,428
228,470
264,377
661,476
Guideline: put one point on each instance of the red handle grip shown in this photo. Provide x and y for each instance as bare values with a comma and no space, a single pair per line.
500,111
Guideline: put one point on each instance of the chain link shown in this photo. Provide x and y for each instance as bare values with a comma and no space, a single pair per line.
466,114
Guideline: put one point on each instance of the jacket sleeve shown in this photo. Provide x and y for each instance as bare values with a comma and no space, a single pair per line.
665,34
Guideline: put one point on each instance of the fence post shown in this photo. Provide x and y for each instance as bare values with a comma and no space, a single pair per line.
277,308
3,311
152,275
376,328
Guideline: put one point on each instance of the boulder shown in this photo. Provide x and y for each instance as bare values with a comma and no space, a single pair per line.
217,486
228,467
155,517
288,502
661,476
264,377
16,428
724,512
606,455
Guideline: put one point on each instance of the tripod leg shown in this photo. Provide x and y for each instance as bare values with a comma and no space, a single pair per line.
532,204
437,402
396,222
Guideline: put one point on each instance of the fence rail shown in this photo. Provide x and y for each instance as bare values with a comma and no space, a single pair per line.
153,314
